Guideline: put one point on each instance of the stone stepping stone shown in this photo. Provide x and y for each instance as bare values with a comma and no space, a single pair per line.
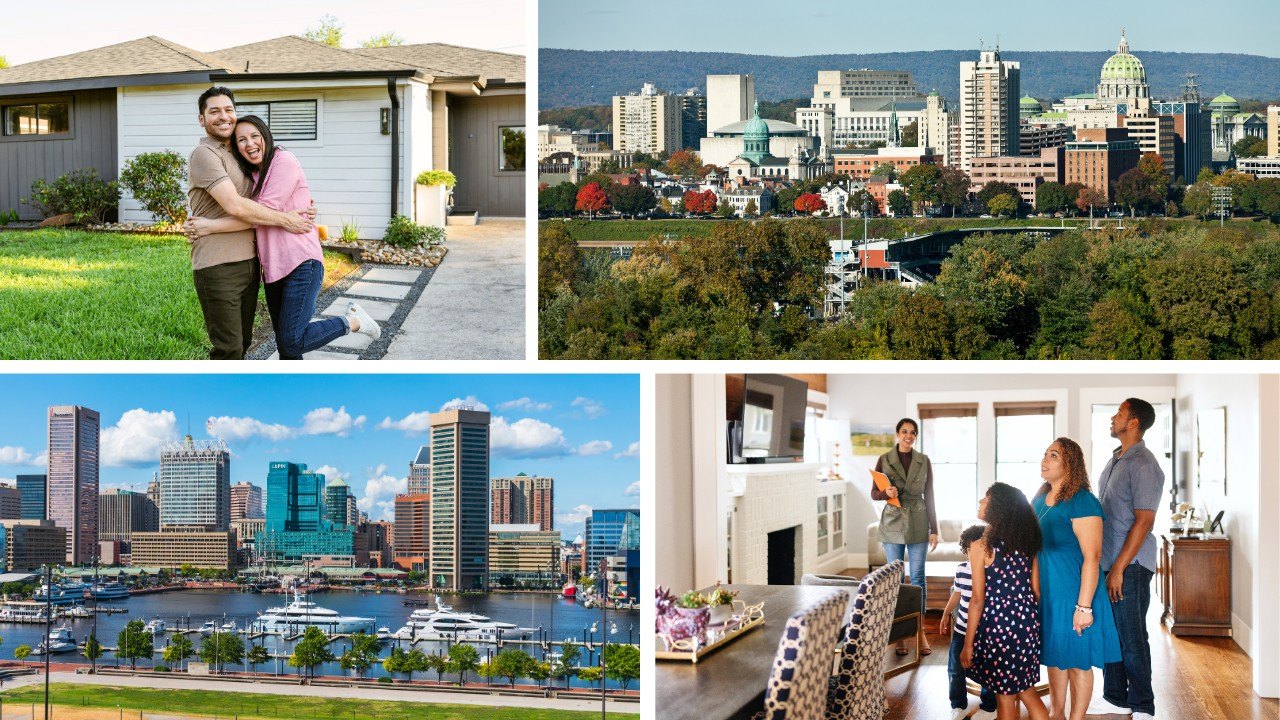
380,290
392,275
377,309
320,355
354,341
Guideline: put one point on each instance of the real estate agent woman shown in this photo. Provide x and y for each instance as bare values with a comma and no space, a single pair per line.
906,531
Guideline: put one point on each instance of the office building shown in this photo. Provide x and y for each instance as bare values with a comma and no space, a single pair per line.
523,555
523,500
459,499
246,501
10,503
420,472
693,118
989,112
247,529
122,513
1273,131
297,525
610,533
1034,137
32,488
647,122
339,503
1025,173
1260,167
195,484
835,84
32,544
153,490
374,544
553,140
411,532
730,99
935,126
71,498
1193,137
1098,157
175,546
860,164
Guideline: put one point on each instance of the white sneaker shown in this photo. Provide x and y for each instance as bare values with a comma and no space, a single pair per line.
959,713
1143,716
368,326
1101,706
984,715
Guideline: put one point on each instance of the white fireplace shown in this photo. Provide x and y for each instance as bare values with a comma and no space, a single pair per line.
765,499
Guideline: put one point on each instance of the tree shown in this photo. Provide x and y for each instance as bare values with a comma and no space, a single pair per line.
486,669
887,170
439,664
923,183
311,650
539,672
3,62
22,652
1003,205
953,188
221,649
559,262
1198,200
993,189
396,662
860,200
415,661
387,39
256,656
512,664
622,663
92,649
1052,197
752,209
134,642
1133,190
1252,146
699,203
591,199
911,134
899,204
725,209
810,203
1206,175
328,32
178,650
559,199
462,660
363,651
785,200
1263,197
1157,175
632,199
589,674
1090,198
684,163
565,667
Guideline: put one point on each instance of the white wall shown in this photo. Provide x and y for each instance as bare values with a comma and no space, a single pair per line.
348,167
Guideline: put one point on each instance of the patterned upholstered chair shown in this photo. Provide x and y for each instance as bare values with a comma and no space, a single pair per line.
856,690
908,614
797,687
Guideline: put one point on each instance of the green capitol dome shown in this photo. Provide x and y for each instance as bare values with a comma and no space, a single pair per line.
1123,77
1224,104
1124,67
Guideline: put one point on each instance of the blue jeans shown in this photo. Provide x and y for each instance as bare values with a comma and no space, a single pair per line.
1128,683
914,553
291,300
955,673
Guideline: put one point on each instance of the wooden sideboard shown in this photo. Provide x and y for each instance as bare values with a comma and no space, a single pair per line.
1195,584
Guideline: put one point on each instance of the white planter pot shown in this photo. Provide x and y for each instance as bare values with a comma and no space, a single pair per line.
429,204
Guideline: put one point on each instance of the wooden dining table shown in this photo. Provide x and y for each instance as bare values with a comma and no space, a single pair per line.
730,682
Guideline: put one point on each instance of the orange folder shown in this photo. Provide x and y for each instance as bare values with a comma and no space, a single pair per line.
882,482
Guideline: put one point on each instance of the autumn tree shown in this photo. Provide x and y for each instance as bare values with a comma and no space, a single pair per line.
923,183
387,39
3,62
559,262
699,203
683,163
1157,175
1134,191
591,199
810,203
1003,205
899,203
752,209
1090,198
1198,200
953,188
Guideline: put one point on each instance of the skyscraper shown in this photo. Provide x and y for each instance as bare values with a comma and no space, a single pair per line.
693,118
729,99
989,93
337,503
10,502
420,472
459,499
614,534
298,525
647,122
124,512
522,500
246,501
71,493
412,532
32,488
195,484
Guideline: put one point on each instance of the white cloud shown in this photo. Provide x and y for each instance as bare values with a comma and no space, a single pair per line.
575,517
411,424
11,482
380,490
591,408
136,439
327,421
632,450
525,404
526,437
332,473
235,429
595,447
10,455
470,402
633,488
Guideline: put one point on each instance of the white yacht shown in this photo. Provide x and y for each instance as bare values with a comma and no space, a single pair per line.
156,627
22,611
444,622
209,627
109,591
60,641
301,613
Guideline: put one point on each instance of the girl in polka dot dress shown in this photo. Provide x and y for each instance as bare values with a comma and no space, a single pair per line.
1002,641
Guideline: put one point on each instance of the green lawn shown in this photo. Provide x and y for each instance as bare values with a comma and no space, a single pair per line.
207,703
74,294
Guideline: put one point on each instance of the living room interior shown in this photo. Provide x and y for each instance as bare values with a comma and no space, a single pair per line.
733,508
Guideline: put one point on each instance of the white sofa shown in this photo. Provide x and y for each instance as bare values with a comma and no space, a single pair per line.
948,542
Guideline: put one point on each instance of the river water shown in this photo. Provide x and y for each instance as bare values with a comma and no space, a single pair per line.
559,619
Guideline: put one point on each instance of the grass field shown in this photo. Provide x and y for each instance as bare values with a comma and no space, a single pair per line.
73,699
77,295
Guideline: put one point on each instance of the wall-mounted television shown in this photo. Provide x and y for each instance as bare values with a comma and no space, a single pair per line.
766,416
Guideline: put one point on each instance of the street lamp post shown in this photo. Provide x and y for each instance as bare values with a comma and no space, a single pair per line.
604,623
48,628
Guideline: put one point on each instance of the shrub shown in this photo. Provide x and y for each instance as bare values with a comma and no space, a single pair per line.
162,668
350,231
158,181
437,177
84,195
8,216
384,680
405,233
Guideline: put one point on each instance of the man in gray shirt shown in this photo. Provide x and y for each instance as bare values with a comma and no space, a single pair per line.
1130,489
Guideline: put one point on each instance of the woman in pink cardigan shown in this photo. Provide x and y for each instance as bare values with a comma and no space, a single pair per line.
292,264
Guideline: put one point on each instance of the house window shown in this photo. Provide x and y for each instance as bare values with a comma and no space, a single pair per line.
1023,431
38,119
949,436
511,152
288,119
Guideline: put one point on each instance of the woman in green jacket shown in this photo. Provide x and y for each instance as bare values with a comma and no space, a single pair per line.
909,531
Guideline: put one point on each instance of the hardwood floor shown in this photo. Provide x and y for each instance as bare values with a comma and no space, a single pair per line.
1193,679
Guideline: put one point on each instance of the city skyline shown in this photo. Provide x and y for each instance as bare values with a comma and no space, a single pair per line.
579,429
933,25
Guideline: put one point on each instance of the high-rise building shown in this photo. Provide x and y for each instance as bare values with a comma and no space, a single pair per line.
124,512
246,501
10,503
32,488
374,544
1098,157
31,544
1193,143
934,126
523,555
693,118
420,472
648,122
298,526
611,533
71,498
864,83
411,532
195,484
338,502
459,499
153,490
729,100
1273,131
989,113
176,546
523,500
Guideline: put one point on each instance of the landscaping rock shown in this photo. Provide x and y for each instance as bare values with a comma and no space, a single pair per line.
57,220
374,251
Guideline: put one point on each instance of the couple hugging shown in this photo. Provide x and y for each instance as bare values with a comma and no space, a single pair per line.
251,219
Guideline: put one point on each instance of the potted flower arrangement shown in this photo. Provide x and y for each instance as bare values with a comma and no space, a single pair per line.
683,617
720,602
431,196
1187,516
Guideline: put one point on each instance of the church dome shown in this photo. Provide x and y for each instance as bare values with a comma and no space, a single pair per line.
756,128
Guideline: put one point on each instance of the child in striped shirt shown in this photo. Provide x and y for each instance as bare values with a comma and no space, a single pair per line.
958,604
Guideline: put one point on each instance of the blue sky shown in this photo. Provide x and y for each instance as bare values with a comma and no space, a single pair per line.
583,430
32,31
772,28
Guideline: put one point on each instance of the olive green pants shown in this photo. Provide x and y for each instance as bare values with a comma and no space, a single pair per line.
229,299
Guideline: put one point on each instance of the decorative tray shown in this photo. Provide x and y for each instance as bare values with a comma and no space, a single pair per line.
691,649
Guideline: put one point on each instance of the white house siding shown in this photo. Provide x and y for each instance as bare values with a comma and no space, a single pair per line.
348,166
416,99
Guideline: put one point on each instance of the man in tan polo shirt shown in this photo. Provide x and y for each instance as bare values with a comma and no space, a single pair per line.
225,265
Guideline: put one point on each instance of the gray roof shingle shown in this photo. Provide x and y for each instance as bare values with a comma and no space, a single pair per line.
145,56
444,60
292,54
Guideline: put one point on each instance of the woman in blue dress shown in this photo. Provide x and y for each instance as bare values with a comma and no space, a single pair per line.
1077,629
